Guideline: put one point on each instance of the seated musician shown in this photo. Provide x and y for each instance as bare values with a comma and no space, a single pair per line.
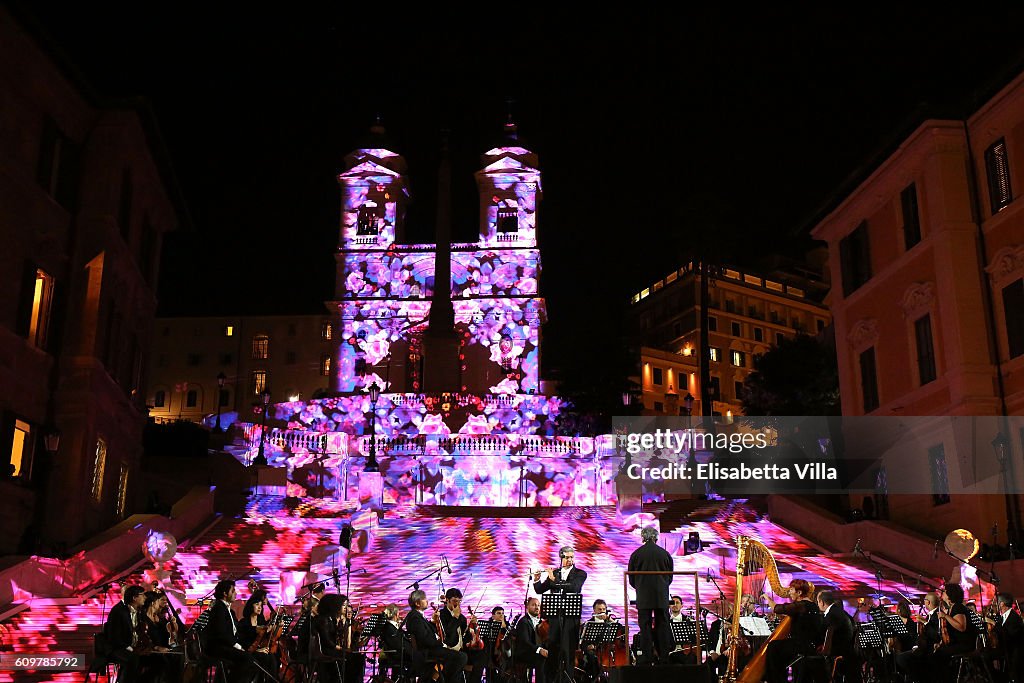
332,631
304,623
904,643
914,662
718,641
426,639
456,627
837,640
681,653
397,644
1008,630
220,637
529,650
748,606
501,652
121,634
591,655
961,634
252,618
805,630
153,640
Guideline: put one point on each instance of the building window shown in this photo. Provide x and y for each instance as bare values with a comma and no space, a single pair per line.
224,398
290,358
656,376
736,330
855,259
714,353
229,330
57,170
191,397
712,324
997,166
779,337
869,379
326,330
925,349
1013,314
98,466
366,220
940,475
360,367
124,209
260,347
758,334
20,446
716,388
325,365
738,358
122,491
508,219
42,303
259,382
160,399
738,388
911,217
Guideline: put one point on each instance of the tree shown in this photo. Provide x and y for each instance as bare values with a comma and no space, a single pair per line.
797,377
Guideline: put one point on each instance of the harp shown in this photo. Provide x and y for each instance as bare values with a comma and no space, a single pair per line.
751,557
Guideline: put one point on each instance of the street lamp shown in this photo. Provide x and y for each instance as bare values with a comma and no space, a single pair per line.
627,399
261,459
371,463
221,378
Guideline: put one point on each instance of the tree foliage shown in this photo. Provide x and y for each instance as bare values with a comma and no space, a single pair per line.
797,377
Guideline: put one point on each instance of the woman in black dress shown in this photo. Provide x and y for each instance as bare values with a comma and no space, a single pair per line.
804,634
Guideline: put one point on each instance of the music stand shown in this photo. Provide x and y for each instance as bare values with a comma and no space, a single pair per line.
374,624
559,606
488,630
685,632
869,637
896,626
599,633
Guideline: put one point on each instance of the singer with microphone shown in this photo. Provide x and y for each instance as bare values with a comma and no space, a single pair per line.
652,599
564,635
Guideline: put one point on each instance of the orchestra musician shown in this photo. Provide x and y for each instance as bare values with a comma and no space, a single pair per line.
652,594
1008,629
805,632
501,652
718,634
121,634
564,633
310,608
681,653
748,606
456,626
153,638
426,639
904,643
332,628
591,658
396,643
914,662
221,634
529,650
252,618
960,630
837,640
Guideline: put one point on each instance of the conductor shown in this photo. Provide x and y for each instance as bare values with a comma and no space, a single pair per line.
564,635
652,593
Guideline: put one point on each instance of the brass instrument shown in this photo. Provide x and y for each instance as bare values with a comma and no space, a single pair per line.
754,553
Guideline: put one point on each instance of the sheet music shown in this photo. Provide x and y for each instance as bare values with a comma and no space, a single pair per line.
757,626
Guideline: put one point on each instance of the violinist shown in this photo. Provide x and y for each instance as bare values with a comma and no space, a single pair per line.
837,637
427,640
304,623
681,653
914,662
564,634
718,635
1008,629
253,627
501,654
153,638
331,629
221,633
122,636
905,643
959,636
396,643
593,656
530,650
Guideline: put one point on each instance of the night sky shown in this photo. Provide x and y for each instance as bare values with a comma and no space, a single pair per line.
652,130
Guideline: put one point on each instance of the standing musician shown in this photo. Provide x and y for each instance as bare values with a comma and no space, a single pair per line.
958,631
652,593
564,635
914,662
1008,630
121,634
304,624
530,650
221,633
427,641
805,632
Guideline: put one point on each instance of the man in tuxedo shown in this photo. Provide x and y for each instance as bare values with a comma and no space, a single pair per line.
652,599
915,662
220,637
426,640
121,635
564,635
838,638
397,643
529,651
1009,632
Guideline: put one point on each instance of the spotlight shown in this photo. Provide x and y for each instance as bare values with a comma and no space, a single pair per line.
693,544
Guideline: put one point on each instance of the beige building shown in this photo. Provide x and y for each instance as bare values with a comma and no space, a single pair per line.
927,254
201,363
748,314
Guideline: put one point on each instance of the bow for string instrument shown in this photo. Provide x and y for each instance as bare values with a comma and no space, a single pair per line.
473,627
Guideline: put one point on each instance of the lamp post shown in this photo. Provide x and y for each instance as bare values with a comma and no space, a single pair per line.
688,405
371,463
1001,445
261,459
221,378
627,400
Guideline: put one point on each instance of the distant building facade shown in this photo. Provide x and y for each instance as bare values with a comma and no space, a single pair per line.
748,314
85,198
200,364
927,257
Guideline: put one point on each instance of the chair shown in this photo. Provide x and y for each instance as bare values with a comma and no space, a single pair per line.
100,663
318,657
194,656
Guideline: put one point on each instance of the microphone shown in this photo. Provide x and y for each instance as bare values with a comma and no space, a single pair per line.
707,579
447,566
935,550
856,548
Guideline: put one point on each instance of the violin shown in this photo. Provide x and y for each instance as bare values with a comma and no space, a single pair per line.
439,627
943,623
992,617
473,631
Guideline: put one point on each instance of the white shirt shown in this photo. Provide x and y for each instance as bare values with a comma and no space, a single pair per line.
827,610
675,617
564,572
234,629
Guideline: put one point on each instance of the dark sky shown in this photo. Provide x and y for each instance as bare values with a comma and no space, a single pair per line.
652,129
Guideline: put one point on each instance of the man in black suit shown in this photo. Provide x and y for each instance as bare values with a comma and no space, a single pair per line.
530,652
426,640
652,594
121,635
915,662
397,643
564,635
1009,631
838,638
220,637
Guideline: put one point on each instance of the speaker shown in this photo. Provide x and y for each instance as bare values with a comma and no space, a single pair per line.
345,539
672,673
